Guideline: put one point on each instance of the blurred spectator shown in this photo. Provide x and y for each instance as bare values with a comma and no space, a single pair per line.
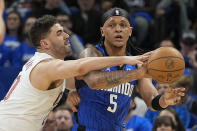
63,116
175,118
164,123
136,123
13,35
2,24
50,124
26,50
161,88
141,107
167,20
188,45
142,16
12,39
106,5
51,7
87,22
76,41
166,43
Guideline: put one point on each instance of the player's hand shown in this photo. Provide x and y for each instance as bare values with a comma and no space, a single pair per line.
73,100
143,71
140,59
173,95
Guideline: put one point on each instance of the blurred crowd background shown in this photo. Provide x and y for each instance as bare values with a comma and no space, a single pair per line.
155,23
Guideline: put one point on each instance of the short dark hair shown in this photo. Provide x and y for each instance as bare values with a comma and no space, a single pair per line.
179,126
166,120
41,28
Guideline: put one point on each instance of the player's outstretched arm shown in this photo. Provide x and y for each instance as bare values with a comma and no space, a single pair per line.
2,24
105,80
55,69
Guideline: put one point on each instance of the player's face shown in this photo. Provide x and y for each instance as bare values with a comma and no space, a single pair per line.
116,31
59,41
63,119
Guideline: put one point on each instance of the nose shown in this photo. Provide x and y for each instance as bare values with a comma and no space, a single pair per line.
118,28
66,36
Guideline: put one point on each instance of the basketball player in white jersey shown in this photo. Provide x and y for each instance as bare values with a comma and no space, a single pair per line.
40,84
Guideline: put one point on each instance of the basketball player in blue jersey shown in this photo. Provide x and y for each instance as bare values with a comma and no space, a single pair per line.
106,95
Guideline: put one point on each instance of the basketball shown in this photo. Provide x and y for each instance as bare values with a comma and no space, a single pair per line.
166,65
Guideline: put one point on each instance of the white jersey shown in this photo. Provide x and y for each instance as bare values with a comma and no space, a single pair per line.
25,108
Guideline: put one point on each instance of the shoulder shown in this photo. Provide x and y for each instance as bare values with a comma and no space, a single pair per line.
90,52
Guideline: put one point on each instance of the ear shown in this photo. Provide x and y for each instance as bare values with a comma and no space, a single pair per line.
102,32
44,44
130,30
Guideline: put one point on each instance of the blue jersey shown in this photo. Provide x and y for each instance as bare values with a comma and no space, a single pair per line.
104,109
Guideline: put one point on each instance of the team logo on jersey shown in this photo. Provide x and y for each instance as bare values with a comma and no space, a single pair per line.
125,89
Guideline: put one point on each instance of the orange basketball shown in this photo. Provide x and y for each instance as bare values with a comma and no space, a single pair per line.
166,65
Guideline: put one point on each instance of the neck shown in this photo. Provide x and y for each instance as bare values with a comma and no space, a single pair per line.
115,51
13,33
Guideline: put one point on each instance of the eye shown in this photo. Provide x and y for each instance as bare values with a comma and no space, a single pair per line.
123,25
111,25
59,32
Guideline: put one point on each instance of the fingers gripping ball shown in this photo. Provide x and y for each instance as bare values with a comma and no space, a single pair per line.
166,65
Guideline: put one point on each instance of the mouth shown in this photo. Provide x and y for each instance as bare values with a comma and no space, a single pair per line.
66,42
118,38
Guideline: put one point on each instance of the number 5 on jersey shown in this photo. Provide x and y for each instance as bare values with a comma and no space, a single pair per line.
113,97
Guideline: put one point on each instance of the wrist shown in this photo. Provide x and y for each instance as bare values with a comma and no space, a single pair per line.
157,103
162,102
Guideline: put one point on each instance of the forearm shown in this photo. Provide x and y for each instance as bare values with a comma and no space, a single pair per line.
97,63
147,91
58,69
106,80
